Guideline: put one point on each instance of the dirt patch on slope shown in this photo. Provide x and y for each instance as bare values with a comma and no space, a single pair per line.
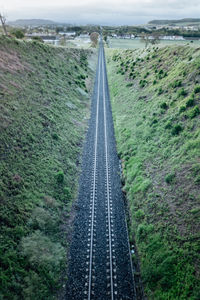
179,198
10,62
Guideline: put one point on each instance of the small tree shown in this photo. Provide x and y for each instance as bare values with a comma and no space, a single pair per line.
155,38
63,41
59,28
94,38
38,39
18,33
3,22
145,39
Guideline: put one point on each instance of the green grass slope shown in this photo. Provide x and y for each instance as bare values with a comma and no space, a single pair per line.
44,107
155,97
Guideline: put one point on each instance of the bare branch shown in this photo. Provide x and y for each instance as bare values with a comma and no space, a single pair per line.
3,22
145,39
94,38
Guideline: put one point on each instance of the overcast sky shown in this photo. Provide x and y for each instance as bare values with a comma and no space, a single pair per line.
116,12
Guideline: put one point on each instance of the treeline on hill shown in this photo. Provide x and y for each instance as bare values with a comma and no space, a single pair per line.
165,22
43,111
155,96
137,31
79,29
54,27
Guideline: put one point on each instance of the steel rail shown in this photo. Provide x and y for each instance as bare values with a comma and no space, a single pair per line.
107,181
94,182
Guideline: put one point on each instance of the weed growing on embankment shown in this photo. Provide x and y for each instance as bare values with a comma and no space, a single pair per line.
155,98
44,110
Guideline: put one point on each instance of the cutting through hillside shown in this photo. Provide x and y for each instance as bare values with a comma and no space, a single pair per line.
100,263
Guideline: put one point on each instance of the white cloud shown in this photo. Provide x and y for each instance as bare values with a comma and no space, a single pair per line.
101,11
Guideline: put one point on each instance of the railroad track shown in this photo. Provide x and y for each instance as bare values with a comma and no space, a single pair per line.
111,264
101,269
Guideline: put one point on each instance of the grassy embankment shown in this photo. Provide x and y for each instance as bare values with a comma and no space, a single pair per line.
44,100
137,44
155,97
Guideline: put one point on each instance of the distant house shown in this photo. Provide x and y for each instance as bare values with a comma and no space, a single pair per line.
84,35
172,37
44,36
191,28
127,36
68,34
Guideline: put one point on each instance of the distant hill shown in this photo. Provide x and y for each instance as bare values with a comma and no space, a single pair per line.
165,22
31,22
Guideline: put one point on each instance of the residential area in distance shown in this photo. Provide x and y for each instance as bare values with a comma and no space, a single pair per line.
78,35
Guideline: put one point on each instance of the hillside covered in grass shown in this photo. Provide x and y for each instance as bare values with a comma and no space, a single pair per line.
155,96
44,107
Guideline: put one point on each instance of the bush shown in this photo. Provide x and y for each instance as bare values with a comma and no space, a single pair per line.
81,76
143,83
164,105
41,251
160,91
35,285
146,75
60,177
176,83
194,112
131,74
168,125
154,82
182,109
67,193
169,178
55,136
154,121
43,220
139,214
161,270
19,34
190,102
143,230
176,129
182,92
197,89
37,39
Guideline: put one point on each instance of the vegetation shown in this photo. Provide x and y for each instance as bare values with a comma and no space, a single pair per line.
136,43
44,107
3,23
18,33
157,128
139,31
94,38
165,22
150,39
